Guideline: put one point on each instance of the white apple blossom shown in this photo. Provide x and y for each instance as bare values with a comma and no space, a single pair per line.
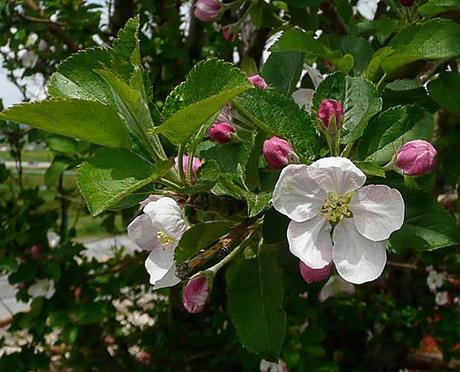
159,230
434,280
327,199
441,298
266,366
42,288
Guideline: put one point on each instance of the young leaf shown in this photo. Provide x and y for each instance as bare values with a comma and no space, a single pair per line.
87,120
391,129
427,226
280,116
255,297
208,87
360,101
445,91
296,40
126,49
198,237
434,39
75,77
110,175
282,70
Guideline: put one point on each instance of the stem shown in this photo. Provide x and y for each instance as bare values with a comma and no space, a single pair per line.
180,160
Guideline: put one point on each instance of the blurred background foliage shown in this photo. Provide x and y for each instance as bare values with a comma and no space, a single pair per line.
102,314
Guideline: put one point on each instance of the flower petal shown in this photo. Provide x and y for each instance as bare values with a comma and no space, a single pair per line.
142,233
167,217
336,174
296,195
357,259
334,286
311,241
378,210
159,263
169,280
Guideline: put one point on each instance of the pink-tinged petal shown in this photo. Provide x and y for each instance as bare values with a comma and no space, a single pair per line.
378,210
311,275
334,286
142,232
296,195
336,174
357,259
161,268
304,98
196,294
311,242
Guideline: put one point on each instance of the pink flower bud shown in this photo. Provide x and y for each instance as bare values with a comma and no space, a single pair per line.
314,275
36,251
278,153
196,294
207,10
407,3
221,132
416,158
196,164
228,34
328,109
258,82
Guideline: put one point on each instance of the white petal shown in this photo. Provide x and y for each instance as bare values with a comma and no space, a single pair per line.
169,280
158,263
334,286
357,259
142,233
378,210
311,241
336,174
304,98
367,8
296,195
167,217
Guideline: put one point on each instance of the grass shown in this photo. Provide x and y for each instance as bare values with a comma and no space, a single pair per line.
87,227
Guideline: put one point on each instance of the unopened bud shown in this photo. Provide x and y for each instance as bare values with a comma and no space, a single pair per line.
196,294
221,132
278,153
311,275
407,3
196,164
36,251
330,109
228,34
416,158
258,82
207,10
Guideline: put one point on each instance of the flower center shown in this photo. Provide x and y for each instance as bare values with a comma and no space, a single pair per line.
336,207
165,239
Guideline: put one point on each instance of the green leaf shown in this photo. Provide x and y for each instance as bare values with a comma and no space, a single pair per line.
76,78
126,49
370,168
132,106
360,101
282,71
407,92
280,116
427,226
198,237
65,145
391,129
374,65
434,39
208,87
257,203
254,298
435,7
296,40
358,47
110,175
87,120
445,91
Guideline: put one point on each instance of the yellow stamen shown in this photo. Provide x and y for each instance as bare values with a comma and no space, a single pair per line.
336,207
165,239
